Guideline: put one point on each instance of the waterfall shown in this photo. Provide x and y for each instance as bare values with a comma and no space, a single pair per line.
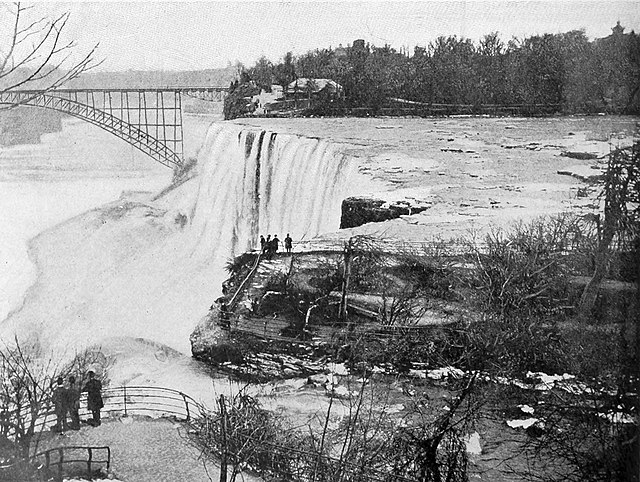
258,182
146,274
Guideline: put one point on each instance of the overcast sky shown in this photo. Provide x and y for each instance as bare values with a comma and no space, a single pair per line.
199,35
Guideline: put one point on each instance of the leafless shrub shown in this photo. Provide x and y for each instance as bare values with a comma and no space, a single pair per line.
584,436
28,373
370,442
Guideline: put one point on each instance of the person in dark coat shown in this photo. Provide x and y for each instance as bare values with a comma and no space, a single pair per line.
288,243
73,403
274,244
262,243
268,247
59,399
94,398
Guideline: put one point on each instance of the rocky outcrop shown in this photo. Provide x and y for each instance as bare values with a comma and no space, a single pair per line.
580,155
25,126
210,343
357,211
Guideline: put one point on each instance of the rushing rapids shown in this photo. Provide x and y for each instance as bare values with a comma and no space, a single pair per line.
150,269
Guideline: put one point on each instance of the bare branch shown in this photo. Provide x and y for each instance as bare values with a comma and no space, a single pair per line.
47,63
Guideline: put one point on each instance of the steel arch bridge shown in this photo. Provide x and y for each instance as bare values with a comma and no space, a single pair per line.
148,119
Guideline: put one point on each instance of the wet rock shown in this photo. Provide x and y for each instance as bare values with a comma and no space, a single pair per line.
584,173
579,155
357,211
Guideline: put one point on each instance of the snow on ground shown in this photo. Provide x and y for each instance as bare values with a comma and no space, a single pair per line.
526,423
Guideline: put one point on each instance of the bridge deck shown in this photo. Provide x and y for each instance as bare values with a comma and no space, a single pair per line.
132,89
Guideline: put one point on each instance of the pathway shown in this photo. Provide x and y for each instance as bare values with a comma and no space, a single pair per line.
144,450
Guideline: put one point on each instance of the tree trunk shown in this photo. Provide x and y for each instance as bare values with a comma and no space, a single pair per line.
637,364
345,281
590,292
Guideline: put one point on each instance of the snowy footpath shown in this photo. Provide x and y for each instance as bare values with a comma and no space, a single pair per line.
144,450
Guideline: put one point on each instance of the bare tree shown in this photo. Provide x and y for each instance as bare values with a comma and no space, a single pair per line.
621,216
34,55
28,373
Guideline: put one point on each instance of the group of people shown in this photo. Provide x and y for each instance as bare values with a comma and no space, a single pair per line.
270,246
66,401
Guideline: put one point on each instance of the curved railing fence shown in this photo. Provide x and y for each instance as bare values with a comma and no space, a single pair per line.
118,401
154,401
58,461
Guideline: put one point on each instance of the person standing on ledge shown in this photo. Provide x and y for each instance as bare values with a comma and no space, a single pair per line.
94,398
287,243
262,243
274,243
267,244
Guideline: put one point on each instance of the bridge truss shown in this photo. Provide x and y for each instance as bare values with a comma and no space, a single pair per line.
148,119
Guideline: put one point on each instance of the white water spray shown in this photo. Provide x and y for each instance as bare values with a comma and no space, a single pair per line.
137,273
259,182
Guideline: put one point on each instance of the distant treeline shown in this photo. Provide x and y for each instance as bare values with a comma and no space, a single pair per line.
154,79
564,70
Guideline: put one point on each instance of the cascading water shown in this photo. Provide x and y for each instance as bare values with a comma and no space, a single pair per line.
254,183
139,273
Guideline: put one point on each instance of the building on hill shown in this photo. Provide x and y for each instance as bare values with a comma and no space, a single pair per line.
340,52
306,87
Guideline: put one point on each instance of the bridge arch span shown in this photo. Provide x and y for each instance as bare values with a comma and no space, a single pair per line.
148,119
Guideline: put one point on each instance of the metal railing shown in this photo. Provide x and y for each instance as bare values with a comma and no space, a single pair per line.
252,272
119,401
143,400
50,465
